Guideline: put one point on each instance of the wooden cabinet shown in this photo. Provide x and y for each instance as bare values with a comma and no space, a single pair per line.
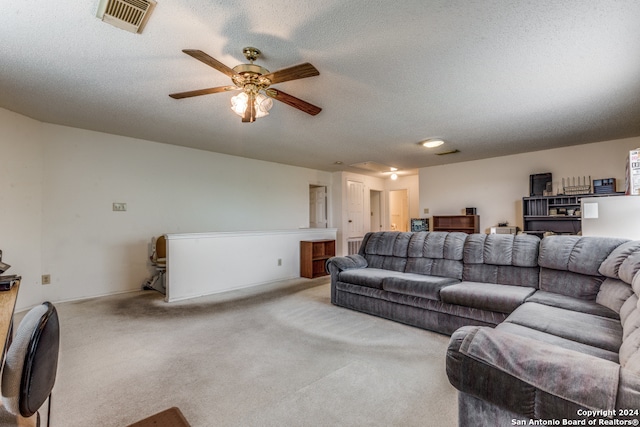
558,214
313,256
466,223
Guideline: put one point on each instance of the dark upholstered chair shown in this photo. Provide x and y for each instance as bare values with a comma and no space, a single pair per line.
30,367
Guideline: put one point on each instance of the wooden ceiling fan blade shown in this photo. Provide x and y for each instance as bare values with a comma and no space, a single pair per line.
199,92
293,101
212,62
293,73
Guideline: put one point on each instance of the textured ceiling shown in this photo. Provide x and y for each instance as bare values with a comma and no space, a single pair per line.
490,77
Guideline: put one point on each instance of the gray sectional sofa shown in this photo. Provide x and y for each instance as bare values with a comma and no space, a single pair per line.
540,329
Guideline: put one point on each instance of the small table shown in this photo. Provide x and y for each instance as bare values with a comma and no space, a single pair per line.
7,307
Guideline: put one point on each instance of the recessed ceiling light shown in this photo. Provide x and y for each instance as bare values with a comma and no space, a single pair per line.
394,176
337,163
432,143
393,169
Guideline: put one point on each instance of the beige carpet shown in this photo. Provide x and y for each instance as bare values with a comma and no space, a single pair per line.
276,355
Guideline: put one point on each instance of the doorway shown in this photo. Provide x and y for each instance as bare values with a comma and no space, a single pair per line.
318,206
375,198
399,210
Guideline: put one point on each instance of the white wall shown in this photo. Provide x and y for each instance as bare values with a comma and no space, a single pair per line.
496,186
21,187
62,181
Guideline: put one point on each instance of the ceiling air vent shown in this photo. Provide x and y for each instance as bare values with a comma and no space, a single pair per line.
129,15
444,153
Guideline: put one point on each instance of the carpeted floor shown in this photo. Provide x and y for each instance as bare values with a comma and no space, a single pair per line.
275,355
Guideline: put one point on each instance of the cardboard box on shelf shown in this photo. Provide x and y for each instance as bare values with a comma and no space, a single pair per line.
632,173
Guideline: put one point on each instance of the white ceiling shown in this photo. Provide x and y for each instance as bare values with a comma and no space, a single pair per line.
490,77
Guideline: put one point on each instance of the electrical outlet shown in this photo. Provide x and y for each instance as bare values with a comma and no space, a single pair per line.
46,279
119,207
426,210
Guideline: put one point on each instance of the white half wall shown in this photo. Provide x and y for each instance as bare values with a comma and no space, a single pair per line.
59,184
207,263
496,186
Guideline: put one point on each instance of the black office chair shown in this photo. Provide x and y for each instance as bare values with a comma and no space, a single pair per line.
30,367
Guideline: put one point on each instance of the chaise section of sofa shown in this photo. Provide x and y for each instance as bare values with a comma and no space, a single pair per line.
540,329
571,347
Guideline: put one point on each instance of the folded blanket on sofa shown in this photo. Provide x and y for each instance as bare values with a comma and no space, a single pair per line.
588,381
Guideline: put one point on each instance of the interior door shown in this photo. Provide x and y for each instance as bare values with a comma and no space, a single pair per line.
317,207
355,213
399,210
375,198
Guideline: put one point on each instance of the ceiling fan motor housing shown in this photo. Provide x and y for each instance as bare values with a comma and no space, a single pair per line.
250,76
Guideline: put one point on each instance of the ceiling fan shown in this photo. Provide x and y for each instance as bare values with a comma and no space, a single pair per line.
254,81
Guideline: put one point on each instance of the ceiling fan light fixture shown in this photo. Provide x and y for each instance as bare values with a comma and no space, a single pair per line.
254,81
261,103
432,143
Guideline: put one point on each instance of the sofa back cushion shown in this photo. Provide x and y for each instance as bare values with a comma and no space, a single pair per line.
630,349
436,253
570,264
502,258
629,274
619,268
386,249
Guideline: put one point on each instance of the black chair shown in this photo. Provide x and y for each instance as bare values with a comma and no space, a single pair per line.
30,367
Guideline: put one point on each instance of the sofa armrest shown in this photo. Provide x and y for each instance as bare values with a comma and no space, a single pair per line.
346,263
337,264
529,377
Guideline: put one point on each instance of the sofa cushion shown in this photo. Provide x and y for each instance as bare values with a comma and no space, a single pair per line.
486,296
435,267
436,254
577,254
502,249
502,258
524,331
573,304
629,271
584,328
588,381
610,267
386,262
631,323
570,284
630,352
503,274
389,243
613,294
386,250
417,285
628,307
569,264
369,277
437,244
